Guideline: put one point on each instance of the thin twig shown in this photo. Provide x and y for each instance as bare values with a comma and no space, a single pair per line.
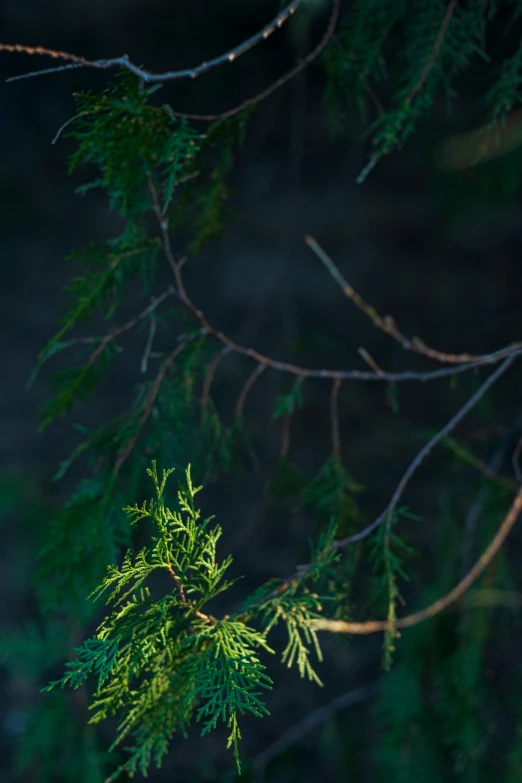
508,354
254,375
200,615
212,367
148,346
343,543
486,469
374,159
163,371
178,583
449,427
304,372
104,341
386,323
363,353
147,76
296,733
490,470
374,626
164,227
450,10
474,514
291,74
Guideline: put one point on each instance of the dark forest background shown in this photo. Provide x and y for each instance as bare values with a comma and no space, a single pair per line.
438,250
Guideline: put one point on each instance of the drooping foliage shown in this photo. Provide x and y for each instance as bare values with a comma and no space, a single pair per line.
160,661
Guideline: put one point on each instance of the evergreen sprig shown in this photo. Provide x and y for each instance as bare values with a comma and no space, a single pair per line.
158,660
161,663
388,553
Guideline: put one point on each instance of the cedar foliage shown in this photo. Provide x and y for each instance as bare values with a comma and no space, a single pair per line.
159,660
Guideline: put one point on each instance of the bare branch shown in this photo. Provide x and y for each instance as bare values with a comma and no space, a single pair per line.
296,733
104,341
303,372
386,515
386,323
450,10
449,427
163,371
291,74
375,626
209,376
148,345
147,76
508,356
254,375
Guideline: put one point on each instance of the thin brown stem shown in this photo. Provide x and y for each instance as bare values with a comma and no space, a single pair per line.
149,405
178,583
304,372
386,515
209,376
370,361
148,345
291,74
386,323
375,626
312,721
450,10
104,341
147,76
197,613
449,427
254,375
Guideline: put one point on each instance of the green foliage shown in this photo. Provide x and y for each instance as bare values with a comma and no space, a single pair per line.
125,137
228,676
297,614
285,481
330,494
202,205
388,551
416,54
355,56
159,660
287,404
435,709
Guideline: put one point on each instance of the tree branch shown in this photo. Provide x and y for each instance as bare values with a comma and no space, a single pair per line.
293,735
449,427
148,76
374,626
164,369
291,74
386,323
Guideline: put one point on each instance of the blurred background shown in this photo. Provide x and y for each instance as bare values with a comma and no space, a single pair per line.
437,249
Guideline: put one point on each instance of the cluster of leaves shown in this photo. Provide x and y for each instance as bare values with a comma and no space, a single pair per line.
160,663
414,55
388,553
436,711
157,661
